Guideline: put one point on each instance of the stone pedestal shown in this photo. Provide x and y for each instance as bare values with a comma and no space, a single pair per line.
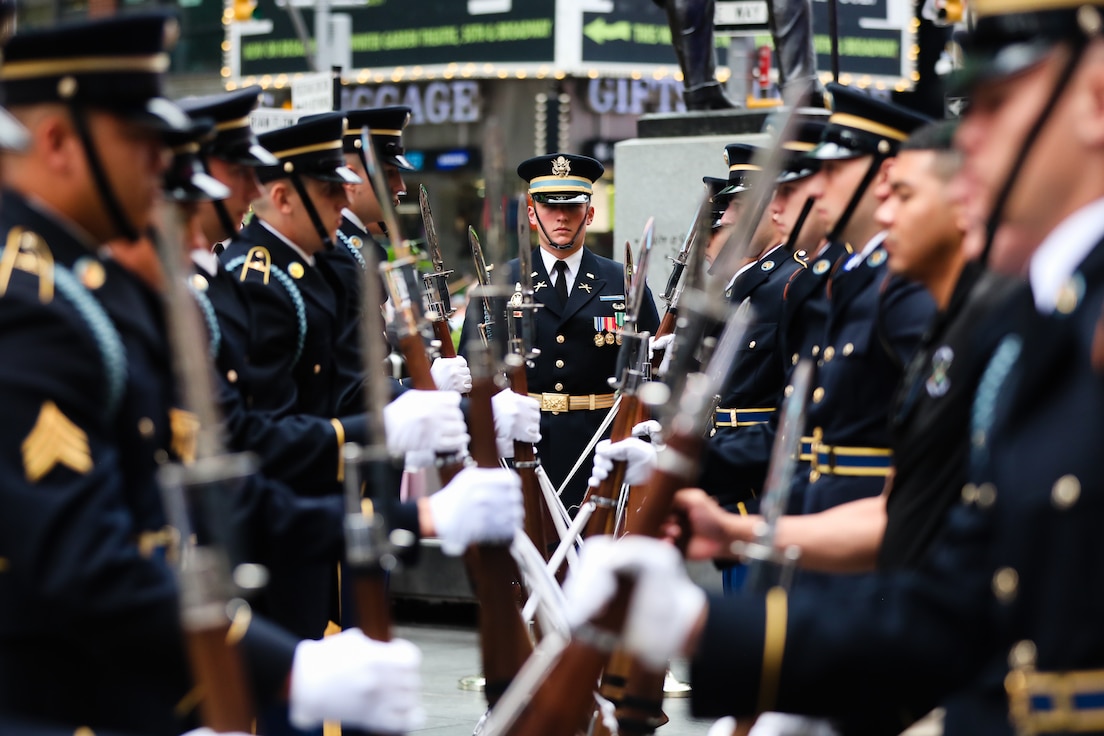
659,174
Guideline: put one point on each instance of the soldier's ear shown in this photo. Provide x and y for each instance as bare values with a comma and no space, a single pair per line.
1090,114
590,215
280,194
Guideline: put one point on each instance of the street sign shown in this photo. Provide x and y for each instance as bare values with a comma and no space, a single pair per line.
264,119
741,16
312,93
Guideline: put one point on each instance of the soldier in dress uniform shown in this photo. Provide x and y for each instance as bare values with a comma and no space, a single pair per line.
231,156
297,313
583,298
362,220
873,321
736,456
90,630
1000,620
742,176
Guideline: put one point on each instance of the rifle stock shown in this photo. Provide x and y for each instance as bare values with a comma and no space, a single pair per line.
217,666
538,522
504,640
606,494
206,587
443,333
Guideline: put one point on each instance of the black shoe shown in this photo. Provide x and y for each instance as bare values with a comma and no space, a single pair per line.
709,96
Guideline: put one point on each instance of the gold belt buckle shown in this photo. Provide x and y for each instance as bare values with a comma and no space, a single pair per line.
554,402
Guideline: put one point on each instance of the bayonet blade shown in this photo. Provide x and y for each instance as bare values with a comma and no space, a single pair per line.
525,248
482,270
432,244
635,291
629,271
683,254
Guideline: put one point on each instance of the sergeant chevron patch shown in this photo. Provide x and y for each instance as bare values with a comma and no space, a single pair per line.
55,440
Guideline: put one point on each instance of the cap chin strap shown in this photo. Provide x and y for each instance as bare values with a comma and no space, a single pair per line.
845,218
316,220
110,202
995,215
228,225
367,172
551,243
795,233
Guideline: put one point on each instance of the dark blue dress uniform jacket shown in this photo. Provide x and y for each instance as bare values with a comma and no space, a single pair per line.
285,391
89,626
874,325
736,458
298,311
1016,571
347,261
570,362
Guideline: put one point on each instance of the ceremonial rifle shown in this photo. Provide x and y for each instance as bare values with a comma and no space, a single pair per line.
436,283
553,694
371,549
212,614
521,334
784,457
630,373
405,289
673,291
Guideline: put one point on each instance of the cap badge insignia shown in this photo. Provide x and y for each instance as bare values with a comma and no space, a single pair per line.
561,167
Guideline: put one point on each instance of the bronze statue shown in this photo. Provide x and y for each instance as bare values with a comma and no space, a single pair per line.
691,23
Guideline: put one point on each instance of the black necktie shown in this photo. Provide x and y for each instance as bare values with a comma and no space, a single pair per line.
560,270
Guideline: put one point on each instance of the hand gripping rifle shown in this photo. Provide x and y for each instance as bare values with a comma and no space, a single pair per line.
521,333
493,572
631,372
213,615
436,283
553,694
405,289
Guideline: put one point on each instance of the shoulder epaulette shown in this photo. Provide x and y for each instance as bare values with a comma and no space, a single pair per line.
27,251
259,259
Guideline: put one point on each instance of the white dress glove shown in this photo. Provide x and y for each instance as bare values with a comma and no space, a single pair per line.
478,505
357,681
656,344
650,429
451,374
425,420
665,604
517,418
640,458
